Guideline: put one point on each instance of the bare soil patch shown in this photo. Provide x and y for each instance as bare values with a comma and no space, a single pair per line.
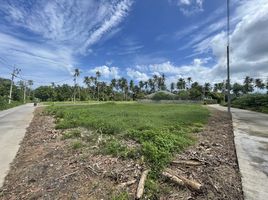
47,167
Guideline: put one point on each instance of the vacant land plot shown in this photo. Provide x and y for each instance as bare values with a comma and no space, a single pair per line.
100,152
156,131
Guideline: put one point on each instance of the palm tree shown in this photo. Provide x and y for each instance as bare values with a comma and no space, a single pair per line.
189,80
141,84
155,81
76,74
131,87
259,84
172,87
207,88
30,83
181,84
248,85
114,83
145,83
151,85
98,75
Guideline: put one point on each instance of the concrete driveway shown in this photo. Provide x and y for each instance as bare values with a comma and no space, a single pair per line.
251,141
13,124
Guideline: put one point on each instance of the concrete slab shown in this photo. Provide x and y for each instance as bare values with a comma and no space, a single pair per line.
251,141
13,124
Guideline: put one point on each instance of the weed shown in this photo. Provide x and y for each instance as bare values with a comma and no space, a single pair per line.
120,196
71,134
77,144
161,130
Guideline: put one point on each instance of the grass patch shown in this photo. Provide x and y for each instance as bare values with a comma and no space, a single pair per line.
5,105
77,144
160,130
71,134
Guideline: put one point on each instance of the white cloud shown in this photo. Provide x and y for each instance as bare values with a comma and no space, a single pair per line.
34,57
120,11
106,72
75,24
248,43
137,75
190,7
62,29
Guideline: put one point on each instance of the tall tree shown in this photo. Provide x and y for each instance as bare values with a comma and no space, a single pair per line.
259,84
237,89
98,75
181,84
172,87
189,80
248,85
75,75
207,88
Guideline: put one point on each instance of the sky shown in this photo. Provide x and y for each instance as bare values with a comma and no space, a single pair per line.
48,39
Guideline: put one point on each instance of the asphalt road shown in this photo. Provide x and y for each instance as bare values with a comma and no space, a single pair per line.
13,124
251,141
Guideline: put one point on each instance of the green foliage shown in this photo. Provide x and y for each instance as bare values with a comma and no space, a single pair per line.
120,196
160,130
255,102
4,103
162,96
152,189
114,147
77,144
71,134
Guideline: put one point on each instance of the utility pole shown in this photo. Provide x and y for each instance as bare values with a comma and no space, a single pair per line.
228,54
24,93
15,72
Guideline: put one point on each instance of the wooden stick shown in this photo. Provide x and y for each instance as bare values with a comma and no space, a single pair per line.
125,184
173,178
193,184
187,162
182,181
141,184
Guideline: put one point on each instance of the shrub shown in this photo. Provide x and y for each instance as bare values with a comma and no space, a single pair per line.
255,102
162,96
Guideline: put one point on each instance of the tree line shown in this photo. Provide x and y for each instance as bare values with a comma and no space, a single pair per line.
122,89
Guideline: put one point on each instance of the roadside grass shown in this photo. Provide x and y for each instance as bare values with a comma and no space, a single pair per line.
5,105
158,130
59,103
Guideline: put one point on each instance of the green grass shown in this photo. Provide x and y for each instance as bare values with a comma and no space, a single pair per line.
4,105
159,130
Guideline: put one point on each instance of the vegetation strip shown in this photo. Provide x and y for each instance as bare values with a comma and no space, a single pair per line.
158,130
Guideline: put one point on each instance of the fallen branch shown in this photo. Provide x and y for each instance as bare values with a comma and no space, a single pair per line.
128,183
182,181
187,162
173,178
193,184
141,184
67,175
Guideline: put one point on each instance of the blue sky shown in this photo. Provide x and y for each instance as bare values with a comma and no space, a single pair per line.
132,38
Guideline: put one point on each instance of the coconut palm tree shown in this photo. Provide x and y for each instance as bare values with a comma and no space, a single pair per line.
151,85
98,75
189,80
181,84
172,87
259,84
75,75
248,85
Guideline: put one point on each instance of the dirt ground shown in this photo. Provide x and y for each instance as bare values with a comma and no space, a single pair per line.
46,167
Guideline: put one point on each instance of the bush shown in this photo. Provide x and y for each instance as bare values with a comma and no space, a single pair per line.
255,102
162,96
4,103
